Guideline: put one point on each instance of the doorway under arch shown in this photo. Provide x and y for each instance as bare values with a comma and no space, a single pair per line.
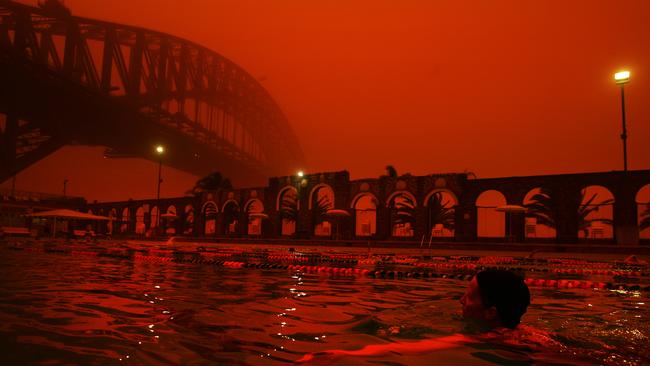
540,220
287,205
125,220
365,215
322,200
230,217
441,210
188,224
596,213
643,212
254,209
402,207
209,213
490,222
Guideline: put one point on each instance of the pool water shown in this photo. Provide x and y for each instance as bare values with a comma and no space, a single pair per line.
67,310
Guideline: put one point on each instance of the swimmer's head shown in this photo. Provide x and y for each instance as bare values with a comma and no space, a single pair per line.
497,298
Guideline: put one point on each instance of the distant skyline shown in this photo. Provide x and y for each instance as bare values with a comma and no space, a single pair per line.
498,88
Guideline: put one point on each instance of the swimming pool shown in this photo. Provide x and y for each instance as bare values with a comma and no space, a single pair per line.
83,310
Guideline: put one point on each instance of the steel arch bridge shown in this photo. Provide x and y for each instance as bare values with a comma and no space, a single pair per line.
70,80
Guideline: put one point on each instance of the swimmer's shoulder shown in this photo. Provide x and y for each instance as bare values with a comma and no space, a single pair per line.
524,335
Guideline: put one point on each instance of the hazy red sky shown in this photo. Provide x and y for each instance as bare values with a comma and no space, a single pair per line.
499,88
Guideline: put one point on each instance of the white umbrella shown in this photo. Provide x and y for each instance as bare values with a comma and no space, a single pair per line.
337,213
511,208
258,215
69,214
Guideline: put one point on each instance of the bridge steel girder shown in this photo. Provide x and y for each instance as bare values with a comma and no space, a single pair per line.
148,87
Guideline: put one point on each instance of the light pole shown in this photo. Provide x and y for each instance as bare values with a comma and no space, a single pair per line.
622,78
160,150
300,174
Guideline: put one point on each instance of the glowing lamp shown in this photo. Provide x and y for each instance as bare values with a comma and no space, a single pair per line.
622,77
160,149
301,174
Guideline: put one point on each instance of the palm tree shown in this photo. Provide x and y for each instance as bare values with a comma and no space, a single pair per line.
587,208
320,209
645,218
404,210
440,213
391,171
211,182
289,207
544,207
230,215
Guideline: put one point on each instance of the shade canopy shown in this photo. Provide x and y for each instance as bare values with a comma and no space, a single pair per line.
258,215
511,208
69,214
337,213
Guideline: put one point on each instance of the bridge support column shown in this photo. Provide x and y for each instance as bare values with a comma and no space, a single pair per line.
8,148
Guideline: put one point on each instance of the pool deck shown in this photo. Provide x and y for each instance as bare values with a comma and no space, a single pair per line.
538,250
600,247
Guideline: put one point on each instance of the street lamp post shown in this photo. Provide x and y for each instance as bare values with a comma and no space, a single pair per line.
160,150
622,78
300,174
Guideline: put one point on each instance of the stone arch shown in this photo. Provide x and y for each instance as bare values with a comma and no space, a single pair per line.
288,206
111,224
365,214
154,215
402,205
490,222
169,220
541,216
254,224
230,213
451,193
140,226
315,191
642,199
188,223
398,193
441,211
284,191
125,220
209,212
596,213
321,199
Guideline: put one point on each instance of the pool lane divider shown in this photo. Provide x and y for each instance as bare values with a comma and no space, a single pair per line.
167,256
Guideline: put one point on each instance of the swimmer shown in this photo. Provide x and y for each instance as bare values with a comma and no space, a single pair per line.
633,260
495,300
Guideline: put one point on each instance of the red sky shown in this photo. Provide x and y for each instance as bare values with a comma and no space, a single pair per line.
496,87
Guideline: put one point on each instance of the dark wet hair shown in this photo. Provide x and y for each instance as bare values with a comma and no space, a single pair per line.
507,292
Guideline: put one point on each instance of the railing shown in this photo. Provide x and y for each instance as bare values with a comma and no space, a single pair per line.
9,195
